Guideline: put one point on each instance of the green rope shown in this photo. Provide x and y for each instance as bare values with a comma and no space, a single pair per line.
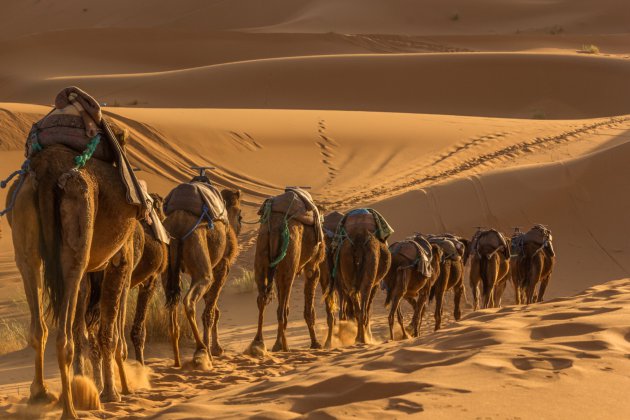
285,244
36,147
83,158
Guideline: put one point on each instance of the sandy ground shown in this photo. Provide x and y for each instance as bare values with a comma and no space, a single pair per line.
443,115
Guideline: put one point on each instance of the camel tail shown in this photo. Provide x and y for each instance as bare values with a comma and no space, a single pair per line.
432,293
389,285
50,226
173,288
93,311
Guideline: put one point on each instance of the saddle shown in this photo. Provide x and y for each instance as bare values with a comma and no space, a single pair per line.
366,219
157,228
416,254
74,121
331,221
197,197
499,241
539,235
296,204
452,247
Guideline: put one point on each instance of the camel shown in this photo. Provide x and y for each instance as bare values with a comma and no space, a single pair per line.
415,268
364,260
205,250
532,263
489,256
290,241
329,289
150,257
56,207
451,274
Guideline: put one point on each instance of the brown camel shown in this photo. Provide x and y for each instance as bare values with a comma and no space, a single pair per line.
290,241
150,256
363,261
56,208
533,262
489,255
451,274
205,251
415,268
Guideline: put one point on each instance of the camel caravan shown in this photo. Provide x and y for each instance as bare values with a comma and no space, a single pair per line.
86,231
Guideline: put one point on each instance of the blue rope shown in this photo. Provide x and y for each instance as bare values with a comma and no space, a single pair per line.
204,215
4,184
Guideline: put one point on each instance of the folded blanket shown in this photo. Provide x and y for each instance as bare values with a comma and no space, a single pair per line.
194,197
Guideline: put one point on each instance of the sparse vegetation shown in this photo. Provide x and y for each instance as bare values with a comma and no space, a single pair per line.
157,321
243,284
556,30
538,115
589,49
14,332
455,17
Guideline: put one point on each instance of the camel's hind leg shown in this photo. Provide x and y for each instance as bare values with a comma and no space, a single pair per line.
329,300
79,330
541,289
121,341
312,278
284,283
197,254
116,280
440,290
26,242
211,298
139,328
76,208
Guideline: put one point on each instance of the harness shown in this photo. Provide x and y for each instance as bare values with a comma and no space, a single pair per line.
205,214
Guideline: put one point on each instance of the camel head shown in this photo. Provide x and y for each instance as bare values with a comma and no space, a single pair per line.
158,205
232,200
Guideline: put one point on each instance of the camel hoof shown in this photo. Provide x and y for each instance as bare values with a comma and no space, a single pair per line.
257,349
217,351
69,414
278,347
315,345
328,345
110,396
201,360
44,397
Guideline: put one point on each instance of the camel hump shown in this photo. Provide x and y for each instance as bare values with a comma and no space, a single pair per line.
451,247
194,197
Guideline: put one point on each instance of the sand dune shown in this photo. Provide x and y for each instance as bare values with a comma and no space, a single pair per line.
499,85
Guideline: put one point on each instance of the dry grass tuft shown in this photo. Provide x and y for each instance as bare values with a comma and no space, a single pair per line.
243,284
589,49
14,332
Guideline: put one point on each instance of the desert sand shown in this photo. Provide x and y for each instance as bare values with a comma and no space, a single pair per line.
443,115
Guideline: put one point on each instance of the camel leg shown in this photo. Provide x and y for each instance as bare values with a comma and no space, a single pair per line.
542,288
329,301
394,307
368,316
312,278
116,280
139,328
440,290
415,320
358,313
401,322
498,292
209,314
283,286
262,300
457,299
175,331
79,330
96,357
532,278
475,279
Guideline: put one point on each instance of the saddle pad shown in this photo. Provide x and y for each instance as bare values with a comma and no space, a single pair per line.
193,196
448,247
331,221
291,204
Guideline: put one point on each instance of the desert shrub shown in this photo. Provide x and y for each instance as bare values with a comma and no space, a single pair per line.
245,283
589,49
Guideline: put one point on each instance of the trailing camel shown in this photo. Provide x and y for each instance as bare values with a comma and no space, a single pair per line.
57,230
363,261
451,274
489,255
290,241
415,268
533,260
204,225
330,289
150,256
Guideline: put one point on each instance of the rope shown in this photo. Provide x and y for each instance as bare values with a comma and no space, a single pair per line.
22,171
285,232
83,158
204,215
